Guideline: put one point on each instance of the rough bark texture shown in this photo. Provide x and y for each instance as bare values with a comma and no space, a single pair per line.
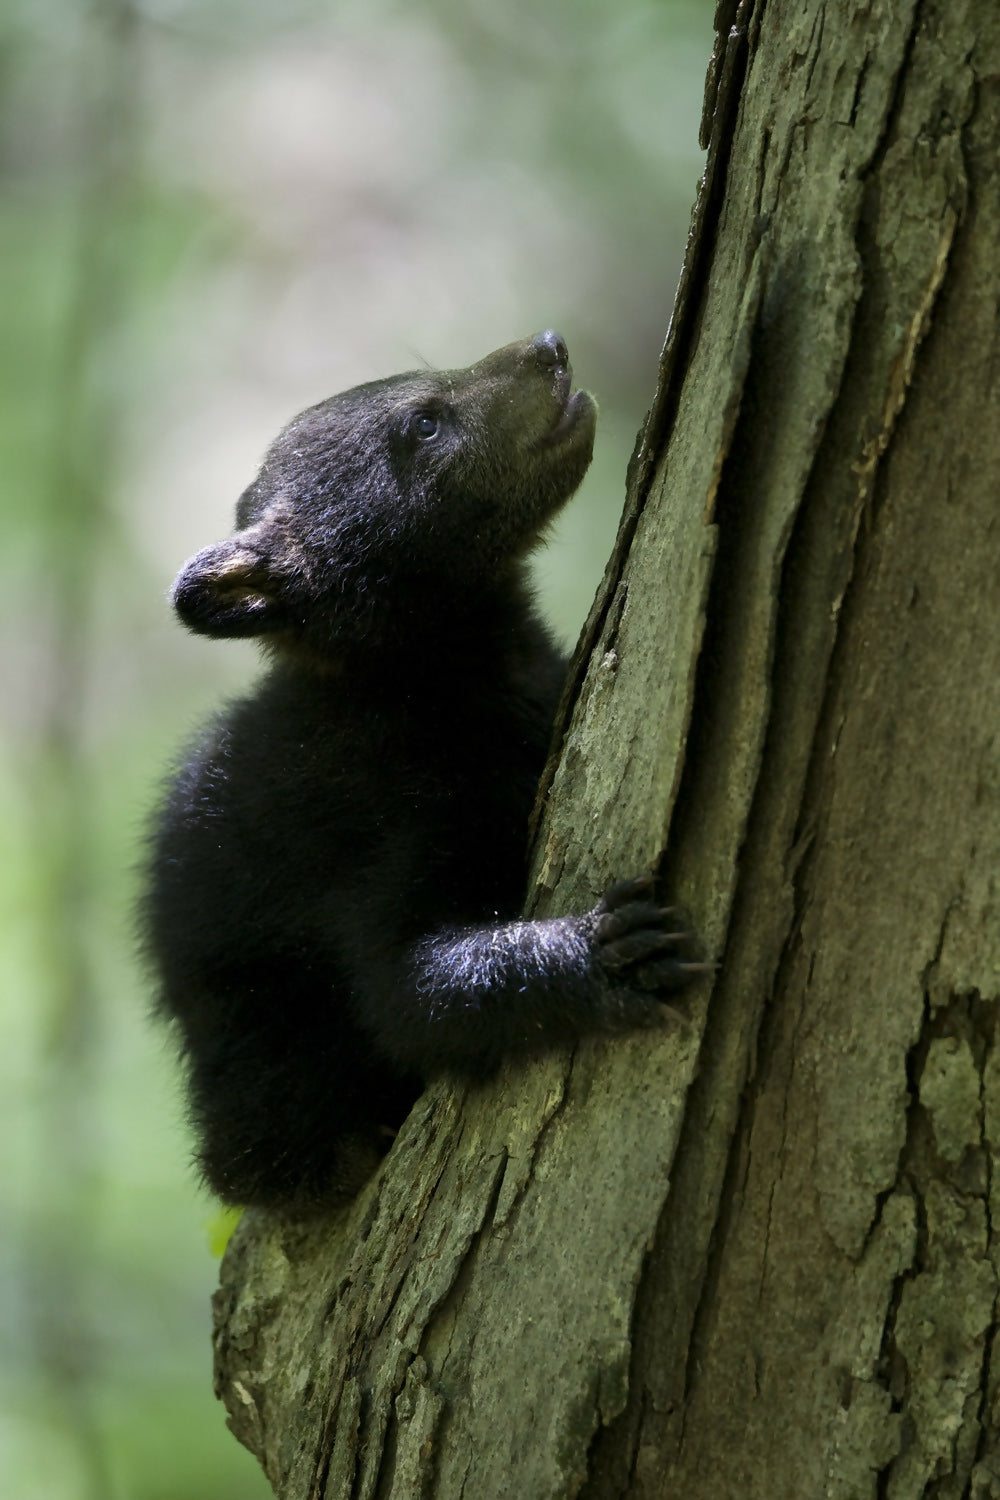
752,1256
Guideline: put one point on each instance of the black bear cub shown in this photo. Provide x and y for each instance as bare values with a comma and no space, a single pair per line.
336,874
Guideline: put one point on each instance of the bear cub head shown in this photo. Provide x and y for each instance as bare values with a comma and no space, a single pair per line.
376,506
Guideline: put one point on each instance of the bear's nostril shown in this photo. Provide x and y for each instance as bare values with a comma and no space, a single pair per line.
550,350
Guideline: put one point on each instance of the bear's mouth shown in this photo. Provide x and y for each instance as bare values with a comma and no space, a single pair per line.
577,406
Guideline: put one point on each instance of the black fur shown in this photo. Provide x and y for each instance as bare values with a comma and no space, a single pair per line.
336,875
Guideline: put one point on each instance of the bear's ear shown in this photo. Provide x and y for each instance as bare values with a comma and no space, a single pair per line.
228,590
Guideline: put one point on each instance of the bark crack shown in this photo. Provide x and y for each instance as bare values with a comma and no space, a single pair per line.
815,45
859,85
873,163
901,370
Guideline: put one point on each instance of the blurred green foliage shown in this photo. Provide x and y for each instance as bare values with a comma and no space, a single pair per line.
214,212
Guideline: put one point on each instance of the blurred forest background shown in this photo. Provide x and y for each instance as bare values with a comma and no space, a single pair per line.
213,213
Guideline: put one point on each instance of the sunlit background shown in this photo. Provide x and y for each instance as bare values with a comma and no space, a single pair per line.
213,213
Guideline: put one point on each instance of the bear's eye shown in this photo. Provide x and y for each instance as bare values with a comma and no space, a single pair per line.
424,425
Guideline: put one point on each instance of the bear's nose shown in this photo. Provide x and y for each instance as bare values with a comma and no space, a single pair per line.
550,350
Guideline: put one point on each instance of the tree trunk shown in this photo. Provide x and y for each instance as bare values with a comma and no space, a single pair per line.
751,1256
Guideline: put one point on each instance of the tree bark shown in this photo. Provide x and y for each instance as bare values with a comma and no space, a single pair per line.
752,1255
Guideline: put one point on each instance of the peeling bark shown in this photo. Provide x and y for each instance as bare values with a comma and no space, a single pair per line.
754,1255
